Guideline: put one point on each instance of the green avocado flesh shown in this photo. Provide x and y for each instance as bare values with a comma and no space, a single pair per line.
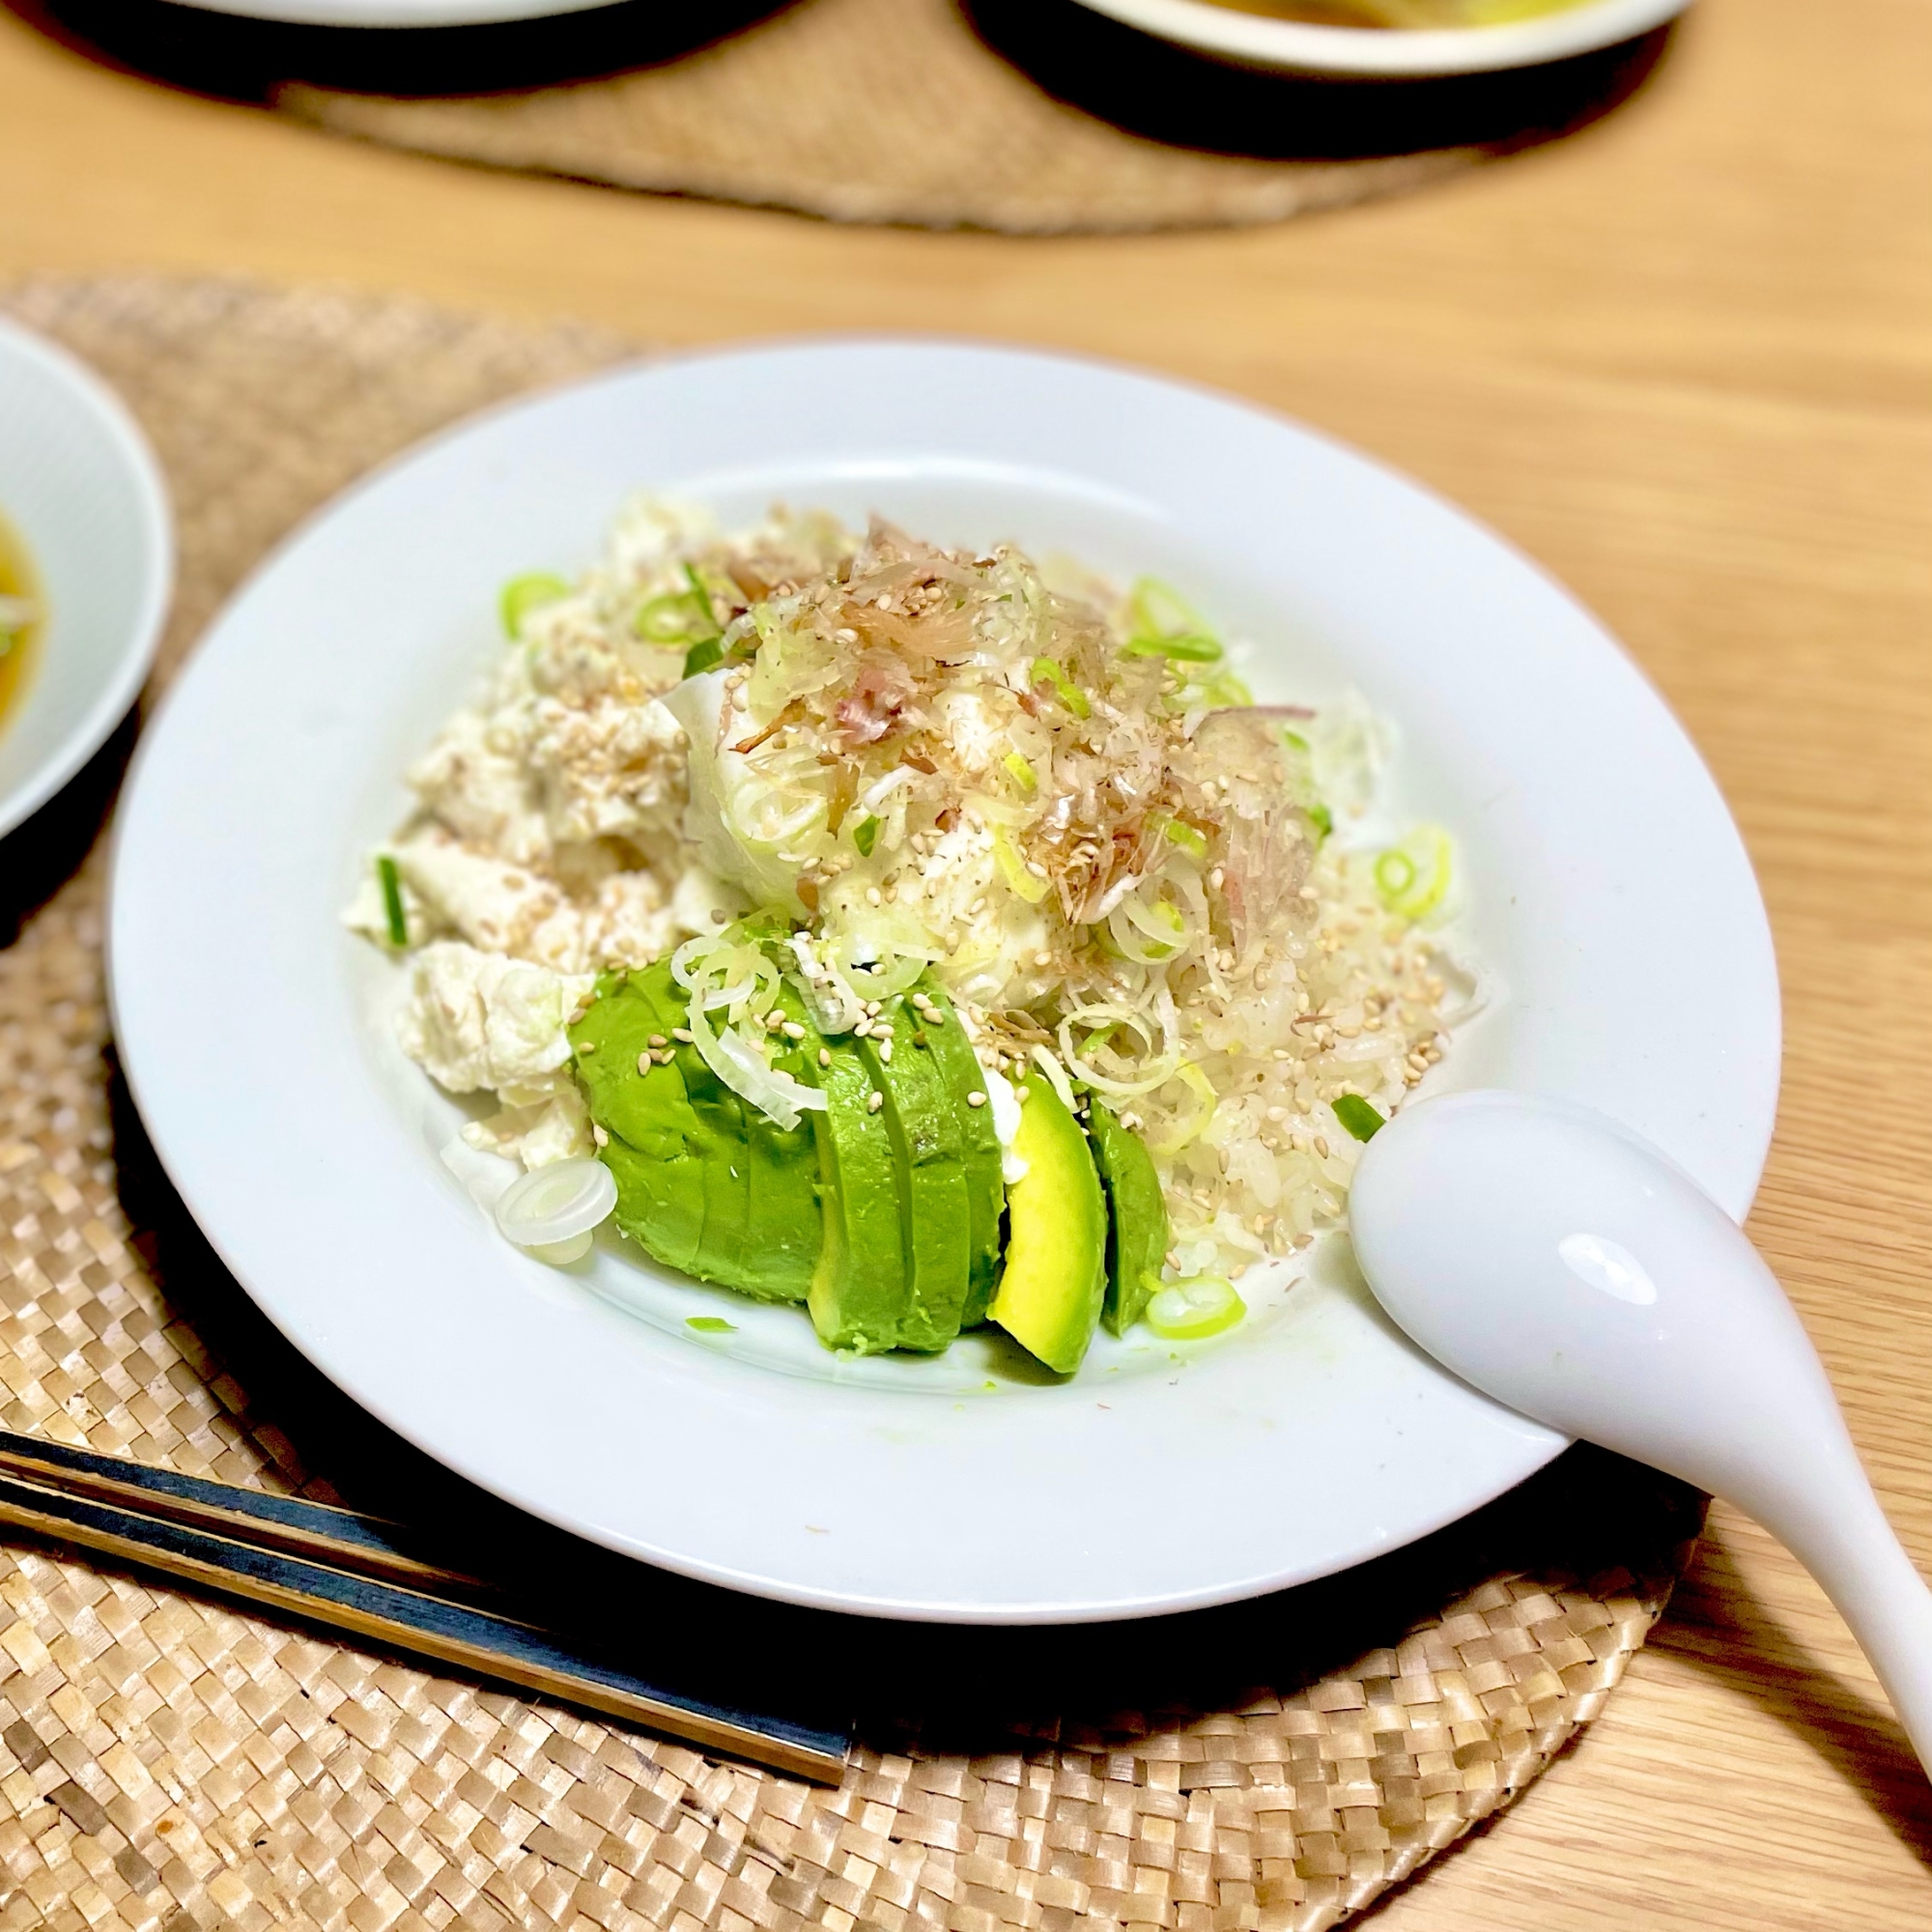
886,1219
928,1157
704,1184
979,1143
858,1299
1055,1279
1137,1230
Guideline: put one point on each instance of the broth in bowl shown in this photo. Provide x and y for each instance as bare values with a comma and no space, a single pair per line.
21,613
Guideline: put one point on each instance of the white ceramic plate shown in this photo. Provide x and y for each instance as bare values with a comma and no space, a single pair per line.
80,487
1626,944
1253,40
397,12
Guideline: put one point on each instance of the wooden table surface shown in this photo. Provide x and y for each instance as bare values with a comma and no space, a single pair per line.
1686,360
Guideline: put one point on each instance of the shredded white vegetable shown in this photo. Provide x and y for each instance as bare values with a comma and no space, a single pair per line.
1055,799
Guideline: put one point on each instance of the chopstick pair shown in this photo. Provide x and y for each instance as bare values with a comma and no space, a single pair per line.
359,1574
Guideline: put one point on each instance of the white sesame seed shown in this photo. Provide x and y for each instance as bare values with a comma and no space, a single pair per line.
976,1098
792,1030
598,1135
681,1032
644,1062
825,1056
863,1027
874,1101
657,1039
884,1053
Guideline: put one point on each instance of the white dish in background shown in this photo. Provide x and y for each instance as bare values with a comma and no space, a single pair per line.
397,12
1300,46
80,488
1608,892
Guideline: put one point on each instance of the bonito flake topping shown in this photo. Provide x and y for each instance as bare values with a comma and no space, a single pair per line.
1056,798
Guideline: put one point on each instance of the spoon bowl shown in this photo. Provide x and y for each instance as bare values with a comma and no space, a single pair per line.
1567,1269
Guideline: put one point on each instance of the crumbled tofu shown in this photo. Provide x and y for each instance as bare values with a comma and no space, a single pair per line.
478,1020
554,1127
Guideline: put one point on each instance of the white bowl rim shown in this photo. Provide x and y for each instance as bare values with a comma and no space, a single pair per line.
131,449
1735,1189
1255,39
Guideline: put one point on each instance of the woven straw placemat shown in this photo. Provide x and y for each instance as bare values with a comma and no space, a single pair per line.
167,1763
864,110
1026,116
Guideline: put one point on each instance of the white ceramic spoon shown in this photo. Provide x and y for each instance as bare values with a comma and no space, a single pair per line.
1570,1269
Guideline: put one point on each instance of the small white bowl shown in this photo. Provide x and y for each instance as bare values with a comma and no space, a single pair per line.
1253,40
82,491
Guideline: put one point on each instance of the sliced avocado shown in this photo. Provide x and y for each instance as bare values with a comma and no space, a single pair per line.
985,1185
1055,1279
1137,1229
704,1184
858,1294
784,1225
658,1146
928,1151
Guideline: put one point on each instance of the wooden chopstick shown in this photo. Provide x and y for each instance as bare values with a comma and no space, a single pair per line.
334,1567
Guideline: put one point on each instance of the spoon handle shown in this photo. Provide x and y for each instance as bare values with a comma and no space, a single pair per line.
1844,1540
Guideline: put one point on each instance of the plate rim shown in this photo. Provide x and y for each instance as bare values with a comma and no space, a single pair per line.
1302,47
134,456
1752,1156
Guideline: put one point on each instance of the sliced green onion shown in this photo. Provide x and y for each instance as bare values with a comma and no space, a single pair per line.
392,900
1189,648
527,593
1158,610
1046,671
1223,691
1187,837
1294,740
1412,878
711,1324
1395,874
865,836
1030,886
669,619
1164,1146
1192,1309
1322,818
701,656
1162,623
1023,773
1361,1119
